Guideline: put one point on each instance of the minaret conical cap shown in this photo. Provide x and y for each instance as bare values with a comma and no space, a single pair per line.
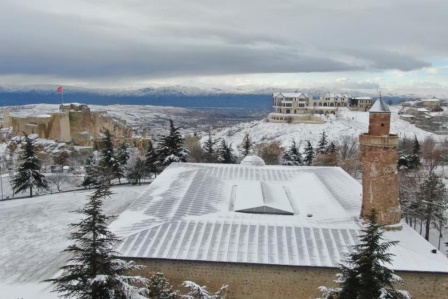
380,107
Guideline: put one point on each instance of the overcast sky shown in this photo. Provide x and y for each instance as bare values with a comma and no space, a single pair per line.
299,43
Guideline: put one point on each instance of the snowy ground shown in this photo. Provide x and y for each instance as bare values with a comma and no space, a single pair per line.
35,231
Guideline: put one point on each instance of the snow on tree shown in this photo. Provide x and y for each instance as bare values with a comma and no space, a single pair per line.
245,148
171,147
93,272
28,174
364,273
308,154
201,292
225,153
323,143
136,172
209,153
91,176
292,156
122,156
109,166
433,202
160,288
151,160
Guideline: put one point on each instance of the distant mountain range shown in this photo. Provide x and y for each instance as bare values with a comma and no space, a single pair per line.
177,96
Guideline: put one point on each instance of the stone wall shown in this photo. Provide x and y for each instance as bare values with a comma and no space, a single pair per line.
273,281
73,121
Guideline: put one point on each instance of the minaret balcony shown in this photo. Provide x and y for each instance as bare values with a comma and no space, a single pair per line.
390,140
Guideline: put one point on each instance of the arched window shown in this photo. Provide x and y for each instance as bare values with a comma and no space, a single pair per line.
287,111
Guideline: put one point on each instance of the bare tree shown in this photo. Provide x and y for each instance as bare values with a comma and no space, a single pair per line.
432,154
57,179
349,155
194,148
270,152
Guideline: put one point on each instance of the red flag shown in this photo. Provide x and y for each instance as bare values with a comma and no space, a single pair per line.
59,89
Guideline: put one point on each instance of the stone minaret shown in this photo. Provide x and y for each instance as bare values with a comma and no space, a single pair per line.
379,167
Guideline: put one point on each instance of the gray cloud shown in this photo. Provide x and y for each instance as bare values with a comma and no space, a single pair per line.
151,39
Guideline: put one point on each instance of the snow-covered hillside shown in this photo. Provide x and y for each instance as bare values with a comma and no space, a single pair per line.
347,123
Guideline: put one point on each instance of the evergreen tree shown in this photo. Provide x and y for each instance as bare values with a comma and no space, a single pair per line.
201,292
93,272
136,172
28,174
209,153
108,165
292,156
309,154
171,147
245,147
151,160
323,143
91,177
363,273
160,288
416,147
225,153
122,156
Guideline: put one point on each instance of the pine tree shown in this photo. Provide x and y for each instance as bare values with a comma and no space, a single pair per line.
201,292
122,156
363,272
151,160
108,165
225,153
323,143
245,147
91,177
28,174
416,147
208,150
171,147
93,272
160,288
136,172
292,156
309,154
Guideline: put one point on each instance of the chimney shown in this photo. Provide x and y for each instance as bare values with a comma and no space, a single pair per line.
379,167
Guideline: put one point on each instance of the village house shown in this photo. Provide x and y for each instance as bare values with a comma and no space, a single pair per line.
275,231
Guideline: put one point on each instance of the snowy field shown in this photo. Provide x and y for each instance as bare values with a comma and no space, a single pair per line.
36,230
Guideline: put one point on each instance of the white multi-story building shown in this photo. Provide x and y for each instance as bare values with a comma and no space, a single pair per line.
291,102
332,100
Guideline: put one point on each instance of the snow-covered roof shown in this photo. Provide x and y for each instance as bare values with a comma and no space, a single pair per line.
252,160
291,94
379,106
280,215
363,98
